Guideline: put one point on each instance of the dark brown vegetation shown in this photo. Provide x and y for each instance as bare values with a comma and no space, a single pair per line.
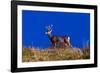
53,54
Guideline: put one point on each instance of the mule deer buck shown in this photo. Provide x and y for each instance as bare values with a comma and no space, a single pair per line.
57,40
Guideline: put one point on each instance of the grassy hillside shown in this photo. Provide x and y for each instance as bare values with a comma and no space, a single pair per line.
51,54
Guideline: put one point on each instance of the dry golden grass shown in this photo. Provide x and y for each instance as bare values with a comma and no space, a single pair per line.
53,54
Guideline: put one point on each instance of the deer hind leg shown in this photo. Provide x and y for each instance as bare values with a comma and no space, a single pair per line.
67,44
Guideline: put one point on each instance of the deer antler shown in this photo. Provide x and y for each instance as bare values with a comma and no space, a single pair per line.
49,27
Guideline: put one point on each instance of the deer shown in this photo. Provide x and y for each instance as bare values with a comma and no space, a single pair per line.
57,40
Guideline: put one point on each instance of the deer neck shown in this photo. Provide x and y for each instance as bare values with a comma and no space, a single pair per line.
49,35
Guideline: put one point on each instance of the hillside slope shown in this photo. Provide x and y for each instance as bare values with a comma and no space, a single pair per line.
51,54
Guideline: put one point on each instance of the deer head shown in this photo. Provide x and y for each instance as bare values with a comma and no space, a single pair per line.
49,29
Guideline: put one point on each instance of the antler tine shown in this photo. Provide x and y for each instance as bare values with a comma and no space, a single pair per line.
49,27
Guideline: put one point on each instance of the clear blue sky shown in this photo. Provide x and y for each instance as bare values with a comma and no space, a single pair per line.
75,25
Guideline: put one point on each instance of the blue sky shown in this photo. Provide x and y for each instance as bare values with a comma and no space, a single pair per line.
75,25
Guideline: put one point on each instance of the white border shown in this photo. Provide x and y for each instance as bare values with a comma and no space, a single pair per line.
53,63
